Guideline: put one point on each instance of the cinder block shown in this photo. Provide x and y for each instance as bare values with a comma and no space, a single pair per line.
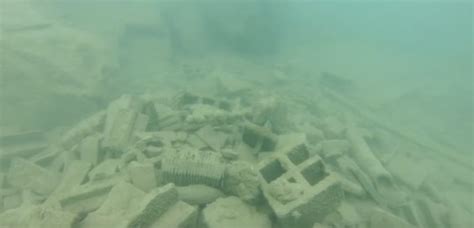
181,215
193,167
26,175
298,187
153,206
142,175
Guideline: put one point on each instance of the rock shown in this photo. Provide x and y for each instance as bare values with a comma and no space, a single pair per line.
142,175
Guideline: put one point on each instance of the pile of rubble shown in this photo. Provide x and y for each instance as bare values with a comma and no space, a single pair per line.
234,161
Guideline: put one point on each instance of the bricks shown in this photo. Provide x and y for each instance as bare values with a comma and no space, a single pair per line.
72,178
142,175
154,205
298,187
26,175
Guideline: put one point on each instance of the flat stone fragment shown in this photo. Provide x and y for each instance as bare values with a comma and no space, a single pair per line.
74,175
181,215
89,197
231,212
121,201
26,175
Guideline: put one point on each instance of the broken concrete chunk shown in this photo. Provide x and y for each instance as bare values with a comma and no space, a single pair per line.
231,212
121,201
104,170
22,144
334,148
380,218
89,126
198,194
74,175
214,139
142,175
36,216
333,128
154,205
87,198
259,138
193,167
89,149
26,175
181,215
119,136
410,170
230,154
310,184
241,179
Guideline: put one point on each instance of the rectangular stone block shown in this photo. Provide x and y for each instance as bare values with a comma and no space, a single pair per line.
88,197
72,178
26,175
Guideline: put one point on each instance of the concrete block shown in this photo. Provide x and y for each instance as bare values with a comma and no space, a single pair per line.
89,149
142,175
298,187
26,175
153,206
120,133
21,144
214,139
410,170
231,212
193,167
180,215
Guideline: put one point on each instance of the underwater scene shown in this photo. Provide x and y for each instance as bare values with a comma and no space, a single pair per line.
236,114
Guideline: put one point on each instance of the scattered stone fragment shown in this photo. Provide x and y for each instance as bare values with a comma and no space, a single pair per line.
142,175
334,148
72,178
36,216
259,138
231,212
180,215
105,170
89,149
333,128
230,154
88,197
121,201
198,194
380,218
86,127
154,204
241,179
26,175
411,171
214,139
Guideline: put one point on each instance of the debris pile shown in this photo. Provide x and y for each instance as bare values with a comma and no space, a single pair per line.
194,161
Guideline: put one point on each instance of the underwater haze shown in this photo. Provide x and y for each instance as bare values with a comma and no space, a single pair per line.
201,108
